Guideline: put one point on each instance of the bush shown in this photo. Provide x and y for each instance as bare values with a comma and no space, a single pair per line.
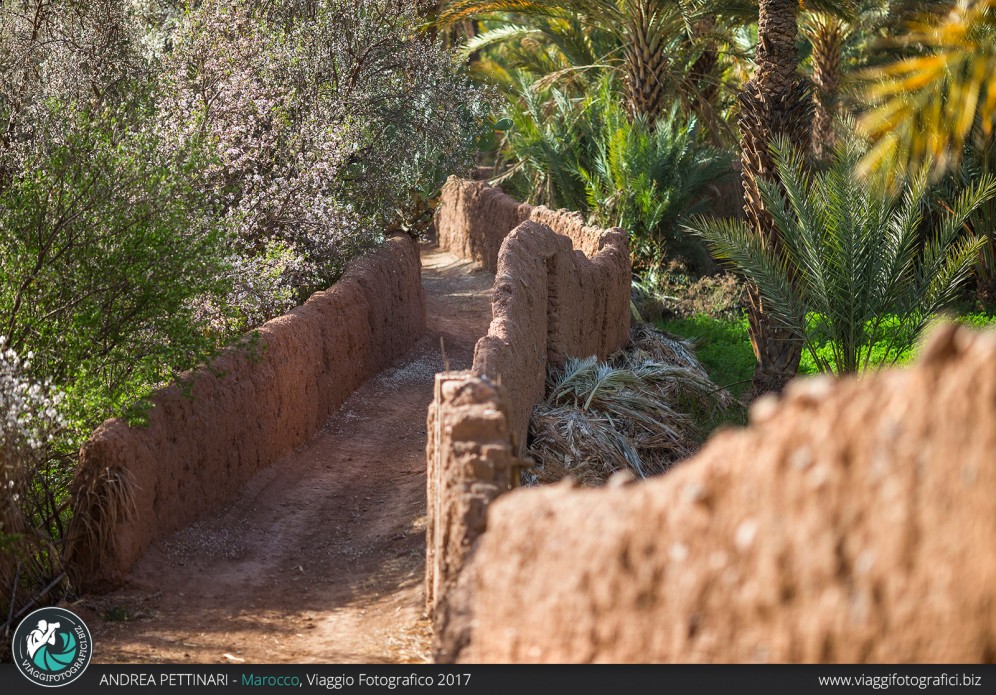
648,179
672,291
587,155
333,121
28,420
108,248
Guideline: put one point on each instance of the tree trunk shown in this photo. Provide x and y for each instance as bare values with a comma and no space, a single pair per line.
704,81
776,100
646,66
701,73
826,34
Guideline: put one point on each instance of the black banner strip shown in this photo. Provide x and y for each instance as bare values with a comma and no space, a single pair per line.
102,679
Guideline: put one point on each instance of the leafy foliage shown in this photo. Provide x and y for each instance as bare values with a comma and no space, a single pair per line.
550,139
924,107
850,256
333,120
978,160
29,419
586,154
653,46
107,246
646,180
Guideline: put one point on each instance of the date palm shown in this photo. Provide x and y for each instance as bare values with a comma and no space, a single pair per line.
826,34
646,31
851,270
775,102
926,107
842,38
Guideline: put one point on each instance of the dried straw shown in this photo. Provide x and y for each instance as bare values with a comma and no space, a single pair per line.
640,412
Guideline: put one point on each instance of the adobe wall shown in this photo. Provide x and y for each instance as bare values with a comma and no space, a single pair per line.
473,219
551,302
561,290
470,463
242,413
852,521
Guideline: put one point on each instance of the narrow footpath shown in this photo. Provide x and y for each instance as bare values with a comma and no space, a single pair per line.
320,558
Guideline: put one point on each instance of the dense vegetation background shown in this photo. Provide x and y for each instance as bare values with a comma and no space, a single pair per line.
837,157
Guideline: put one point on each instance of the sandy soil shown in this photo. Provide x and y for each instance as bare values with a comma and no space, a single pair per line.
321,557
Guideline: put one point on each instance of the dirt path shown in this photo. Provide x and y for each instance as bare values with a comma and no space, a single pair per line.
320,558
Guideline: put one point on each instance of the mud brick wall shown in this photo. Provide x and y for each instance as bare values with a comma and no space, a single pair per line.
562,289
470,463
242,413
852,521
551,302
473,219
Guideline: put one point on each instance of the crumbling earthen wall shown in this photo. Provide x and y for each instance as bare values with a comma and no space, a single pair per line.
470,463
249,408
551,302
852,521
562,289
473,219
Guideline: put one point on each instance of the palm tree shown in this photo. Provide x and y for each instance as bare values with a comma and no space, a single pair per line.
926,107
850,270
844,36
647,180
774,102
826,34
558,51
645,31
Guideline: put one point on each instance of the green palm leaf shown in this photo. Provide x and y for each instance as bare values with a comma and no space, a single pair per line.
849,269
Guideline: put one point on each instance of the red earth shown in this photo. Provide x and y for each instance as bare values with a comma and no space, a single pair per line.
320,558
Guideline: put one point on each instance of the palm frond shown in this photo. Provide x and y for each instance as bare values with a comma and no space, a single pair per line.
632,413
924,107
769,270
848,270
507,32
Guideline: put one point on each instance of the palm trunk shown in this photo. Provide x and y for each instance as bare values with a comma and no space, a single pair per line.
646,66
775,101
701,73
826,35
704,81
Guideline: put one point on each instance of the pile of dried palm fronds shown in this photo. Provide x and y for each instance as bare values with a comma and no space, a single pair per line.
641,411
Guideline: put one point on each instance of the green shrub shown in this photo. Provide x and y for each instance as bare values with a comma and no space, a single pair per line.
586,154
107,249
550,138
648,179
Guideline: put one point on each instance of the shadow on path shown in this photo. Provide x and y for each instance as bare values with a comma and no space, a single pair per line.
320,558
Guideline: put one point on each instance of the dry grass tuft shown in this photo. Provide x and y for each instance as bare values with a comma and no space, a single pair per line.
101,502
642,411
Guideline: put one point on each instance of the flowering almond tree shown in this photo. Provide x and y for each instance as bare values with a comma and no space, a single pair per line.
331,119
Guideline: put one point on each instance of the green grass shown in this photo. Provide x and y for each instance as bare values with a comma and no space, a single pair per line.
723,347
979,319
